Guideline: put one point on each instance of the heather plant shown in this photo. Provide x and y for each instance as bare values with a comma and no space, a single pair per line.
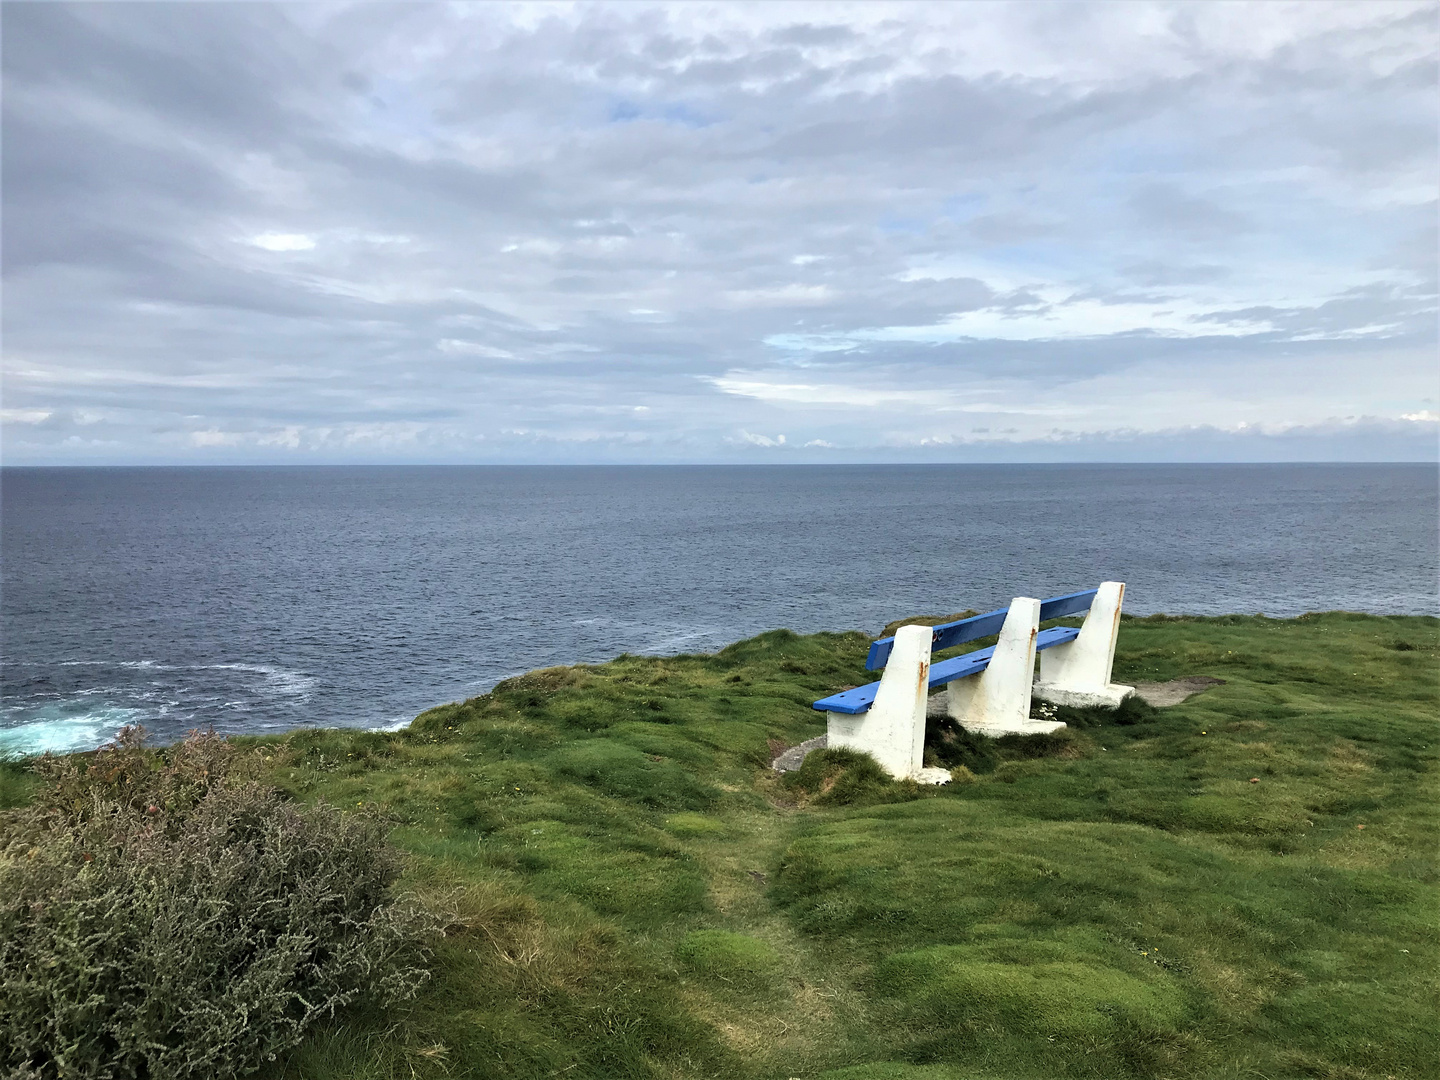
165,916
126,776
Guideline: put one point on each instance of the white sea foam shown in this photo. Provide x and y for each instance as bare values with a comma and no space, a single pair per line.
280,681
147,664
670,639
66,735
673,642
293,683
392,725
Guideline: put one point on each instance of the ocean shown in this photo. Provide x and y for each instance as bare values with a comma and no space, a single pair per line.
265,599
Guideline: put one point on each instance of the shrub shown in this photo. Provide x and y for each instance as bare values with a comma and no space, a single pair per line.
124,776
162,916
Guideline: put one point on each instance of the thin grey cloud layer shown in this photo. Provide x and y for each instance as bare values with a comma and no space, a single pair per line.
749,232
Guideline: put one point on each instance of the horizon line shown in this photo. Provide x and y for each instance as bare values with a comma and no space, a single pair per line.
1434,462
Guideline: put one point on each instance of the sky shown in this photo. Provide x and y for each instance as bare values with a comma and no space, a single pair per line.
784,232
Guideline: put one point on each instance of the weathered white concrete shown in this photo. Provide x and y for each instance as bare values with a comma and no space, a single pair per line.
997,701
1078,672
892,730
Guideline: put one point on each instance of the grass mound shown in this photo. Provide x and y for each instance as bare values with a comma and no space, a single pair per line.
841,777
1131,711
624,772
1243,884
1022,995
736,959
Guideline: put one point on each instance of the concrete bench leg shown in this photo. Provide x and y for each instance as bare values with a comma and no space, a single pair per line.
892,730
997,701
1078,672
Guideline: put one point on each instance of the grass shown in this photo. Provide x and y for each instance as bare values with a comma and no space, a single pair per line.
1243,885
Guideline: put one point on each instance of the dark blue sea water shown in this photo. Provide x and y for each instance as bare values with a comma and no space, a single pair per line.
266,599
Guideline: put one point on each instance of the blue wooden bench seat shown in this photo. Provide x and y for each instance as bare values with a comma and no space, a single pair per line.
971,663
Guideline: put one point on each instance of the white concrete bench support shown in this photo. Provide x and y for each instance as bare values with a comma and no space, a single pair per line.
1078,672
892,729
997,701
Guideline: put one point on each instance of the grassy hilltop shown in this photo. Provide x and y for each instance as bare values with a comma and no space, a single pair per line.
1242,885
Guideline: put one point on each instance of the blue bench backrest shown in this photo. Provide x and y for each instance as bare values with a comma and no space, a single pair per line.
949,634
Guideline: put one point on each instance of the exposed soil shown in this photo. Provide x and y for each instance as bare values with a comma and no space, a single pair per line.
1161,694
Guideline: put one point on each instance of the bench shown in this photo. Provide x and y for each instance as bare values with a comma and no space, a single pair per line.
988,691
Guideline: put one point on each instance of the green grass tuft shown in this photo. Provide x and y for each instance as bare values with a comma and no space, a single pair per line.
735,959
842,777
962,1001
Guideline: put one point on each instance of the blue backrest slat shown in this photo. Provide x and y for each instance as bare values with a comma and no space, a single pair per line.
948,635
971,629
944,636
1070,604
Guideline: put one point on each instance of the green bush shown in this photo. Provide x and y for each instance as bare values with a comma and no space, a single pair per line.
162,916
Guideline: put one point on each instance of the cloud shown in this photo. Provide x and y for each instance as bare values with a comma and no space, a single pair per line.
628,232
1167,207
762,440
213,437
456,346
284,242
817,394
25,416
